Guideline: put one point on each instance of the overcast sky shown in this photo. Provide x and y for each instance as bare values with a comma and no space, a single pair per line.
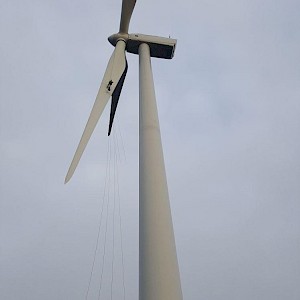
229,107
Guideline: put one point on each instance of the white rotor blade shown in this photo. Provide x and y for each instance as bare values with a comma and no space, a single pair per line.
113,73
127,9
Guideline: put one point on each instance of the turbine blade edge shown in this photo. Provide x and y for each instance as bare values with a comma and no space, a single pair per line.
115,98
127,9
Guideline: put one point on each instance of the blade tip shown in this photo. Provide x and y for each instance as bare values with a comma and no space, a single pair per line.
67,179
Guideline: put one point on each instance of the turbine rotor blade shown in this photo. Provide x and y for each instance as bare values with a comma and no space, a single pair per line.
112,75
115,98
127,9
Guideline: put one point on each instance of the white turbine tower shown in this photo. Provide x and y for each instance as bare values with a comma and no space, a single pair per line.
158,267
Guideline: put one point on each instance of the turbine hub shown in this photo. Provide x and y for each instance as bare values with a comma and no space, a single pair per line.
114,38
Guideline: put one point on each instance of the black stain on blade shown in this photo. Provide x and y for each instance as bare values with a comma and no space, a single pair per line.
115,98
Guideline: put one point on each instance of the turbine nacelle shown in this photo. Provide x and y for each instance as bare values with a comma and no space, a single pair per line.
160,47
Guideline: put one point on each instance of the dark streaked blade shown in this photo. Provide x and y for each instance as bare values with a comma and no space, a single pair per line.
127,9
115,98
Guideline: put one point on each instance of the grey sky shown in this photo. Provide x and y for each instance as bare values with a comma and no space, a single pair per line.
229,112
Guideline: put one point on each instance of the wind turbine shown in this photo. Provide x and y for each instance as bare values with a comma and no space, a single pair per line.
158,267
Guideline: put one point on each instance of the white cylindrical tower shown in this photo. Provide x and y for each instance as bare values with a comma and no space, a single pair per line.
158,267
